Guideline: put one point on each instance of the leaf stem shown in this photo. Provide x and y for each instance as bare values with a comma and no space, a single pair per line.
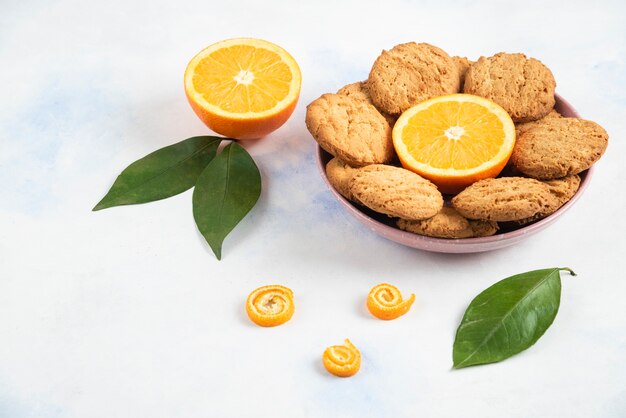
568,270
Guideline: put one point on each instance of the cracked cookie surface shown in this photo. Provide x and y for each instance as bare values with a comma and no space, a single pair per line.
449,223
563,190
504,199
350,129
523,86
395,192
411,73
558,147
360,91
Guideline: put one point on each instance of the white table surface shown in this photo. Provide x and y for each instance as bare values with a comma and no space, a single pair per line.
126,312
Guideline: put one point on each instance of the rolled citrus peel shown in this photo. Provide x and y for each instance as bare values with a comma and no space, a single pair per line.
385,302
270,305
342,360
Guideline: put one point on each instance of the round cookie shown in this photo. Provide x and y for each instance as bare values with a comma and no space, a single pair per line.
411,73
523,86
350,129
504,199
339,175
449,223
360,91
562,190
395,192
558,147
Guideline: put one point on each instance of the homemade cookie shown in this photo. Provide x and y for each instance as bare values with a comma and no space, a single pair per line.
462,65
339,175
411,73
395,191
522,127
558,147
350,129
563,190
524,87
359,91
449,223
504,199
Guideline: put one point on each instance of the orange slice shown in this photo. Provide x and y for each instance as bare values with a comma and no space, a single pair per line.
243,88
342,360
271,305
385,302
454,140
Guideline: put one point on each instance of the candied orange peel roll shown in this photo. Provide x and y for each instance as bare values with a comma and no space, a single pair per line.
270,305
385,302
342,360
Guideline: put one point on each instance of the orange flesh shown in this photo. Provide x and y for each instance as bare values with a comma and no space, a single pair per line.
242,78
481,139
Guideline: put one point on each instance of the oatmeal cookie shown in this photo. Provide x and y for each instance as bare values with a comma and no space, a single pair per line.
523,86
449,223
563,190
395,192
411,73
360,91
350,129
504,199
558,147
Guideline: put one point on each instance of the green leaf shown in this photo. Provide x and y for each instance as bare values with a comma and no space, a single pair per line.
163,173
226,191
508,317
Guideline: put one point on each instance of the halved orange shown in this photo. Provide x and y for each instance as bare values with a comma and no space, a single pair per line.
454,140
243,88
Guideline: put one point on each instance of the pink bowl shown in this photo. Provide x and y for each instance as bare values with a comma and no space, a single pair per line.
508,235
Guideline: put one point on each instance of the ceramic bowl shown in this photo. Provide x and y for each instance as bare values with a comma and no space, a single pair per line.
508,235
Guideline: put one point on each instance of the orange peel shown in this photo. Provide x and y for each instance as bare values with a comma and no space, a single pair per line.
269,306
385,302
342,360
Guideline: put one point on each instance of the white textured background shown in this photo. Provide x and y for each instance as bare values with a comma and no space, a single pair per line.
126,313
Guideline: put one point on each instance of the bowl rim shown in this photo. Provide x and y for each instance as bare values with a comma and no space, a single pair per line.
459,245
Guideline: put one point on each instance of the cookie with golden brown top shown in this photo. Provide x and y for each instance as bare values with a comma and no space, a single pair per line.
395,192
360,91
504,199
563,190
350,129
411,73
523,86
449,223
558,147
339,175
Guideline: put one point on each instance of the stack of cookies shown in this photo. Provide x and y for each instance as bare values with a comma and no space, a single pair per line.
355,126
